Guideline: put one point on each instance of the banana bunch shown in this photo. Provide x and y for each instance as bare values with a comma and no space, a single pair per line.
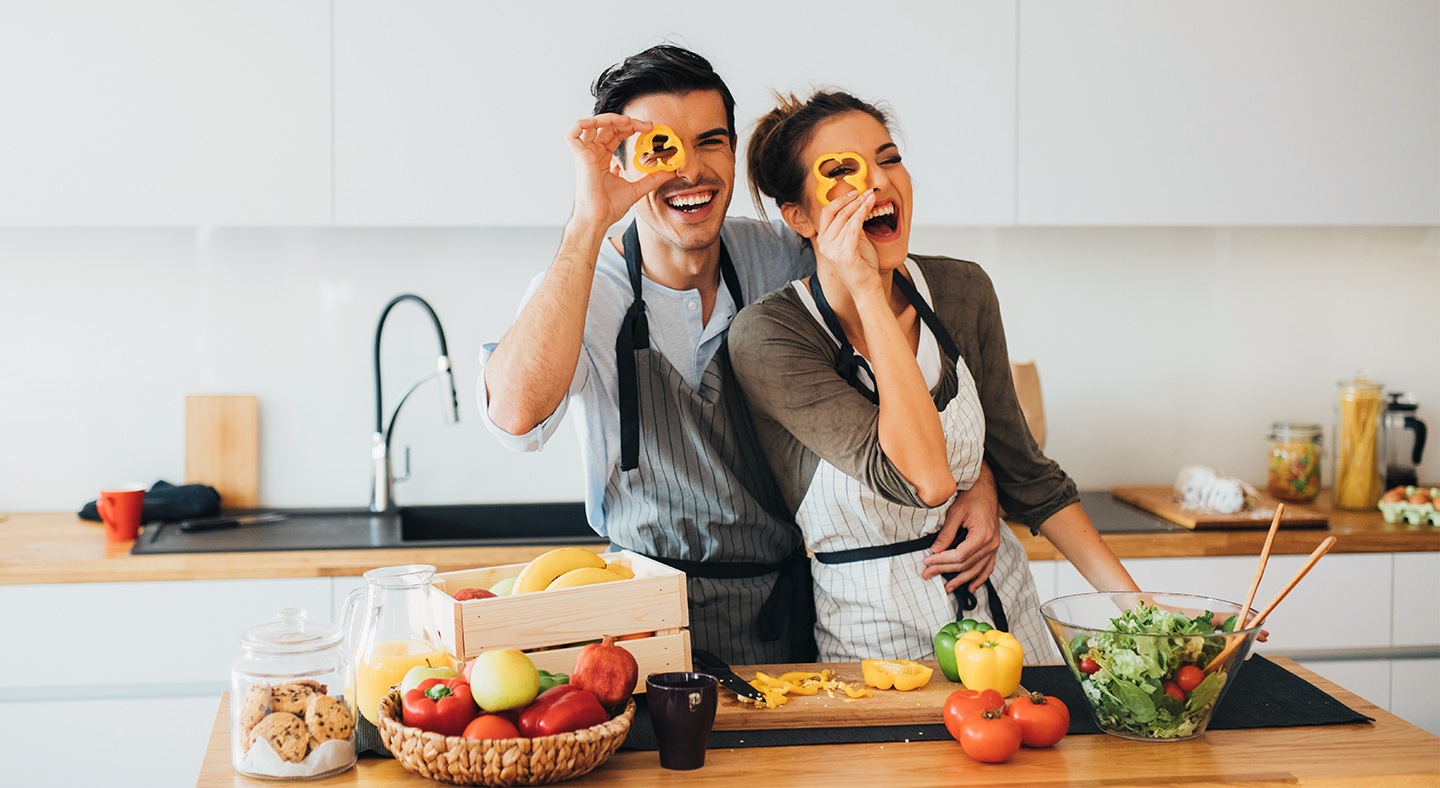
568,567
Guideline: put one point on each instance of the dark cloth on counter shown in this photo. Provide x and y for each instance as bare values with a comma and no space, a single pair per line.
170,503
1265,695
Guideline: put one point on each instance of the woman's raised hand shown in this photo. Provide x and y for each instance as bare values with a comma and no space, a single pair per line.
602,196
841,241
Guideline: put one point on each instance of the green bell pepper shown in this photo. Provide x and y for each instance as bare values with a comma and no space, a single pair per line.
945,644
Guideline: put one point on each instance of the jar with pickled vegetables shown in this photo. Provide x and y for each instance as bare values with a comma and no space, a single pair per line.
1294,461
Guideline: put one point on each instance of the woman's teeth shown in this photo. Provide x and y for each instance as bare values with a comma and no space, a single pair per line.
888,209
690,202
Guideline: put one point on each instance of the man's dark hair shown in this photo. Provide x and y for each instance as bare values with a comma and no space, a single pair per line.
660,69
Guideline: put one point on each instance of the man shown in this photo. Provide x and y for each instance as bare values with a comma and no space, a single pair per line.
632,329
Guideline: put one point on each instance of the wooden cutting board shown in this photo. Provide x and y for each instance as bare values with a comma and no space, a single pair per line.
885,707
1161,501
222,447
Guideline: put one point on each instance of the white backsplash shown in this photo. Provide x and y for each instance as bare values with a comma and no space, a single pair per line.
1157,347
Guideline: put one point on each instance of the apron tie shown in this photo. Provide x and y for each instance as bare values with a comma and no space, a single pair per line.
964,598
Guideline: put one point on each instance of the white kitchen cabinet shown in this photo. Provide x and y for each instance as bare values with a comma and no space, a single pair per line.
1229,113
1353,588
1368,678
150,112
126,742
169,637
454,112
1417,599
1415,692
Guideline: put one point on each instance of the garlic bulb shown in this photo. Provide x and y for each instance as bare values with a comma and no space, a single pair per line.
1199,487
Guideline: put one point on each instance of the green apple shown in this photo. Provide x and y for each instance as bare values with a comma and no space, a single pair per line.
415,675
503,678
504,587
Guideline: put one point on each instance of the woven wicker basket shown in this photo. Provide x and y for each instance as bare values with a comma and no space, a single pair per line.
546,759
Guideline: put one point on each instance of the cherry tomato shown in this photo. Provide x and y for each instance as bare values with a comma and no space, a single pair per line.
990,737
1089,666
1043,719
965,703
1173,690
1189,677
491,726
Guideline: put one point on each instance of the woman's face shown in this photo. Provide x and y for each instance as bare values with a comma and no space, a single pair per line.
888,225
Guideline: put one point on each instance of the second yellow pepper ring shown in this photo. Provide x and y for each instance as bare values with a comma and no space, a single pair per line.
650,158
826,183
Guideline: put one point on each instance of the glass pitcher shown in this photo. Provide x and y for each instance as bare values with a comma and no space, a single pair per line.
390,629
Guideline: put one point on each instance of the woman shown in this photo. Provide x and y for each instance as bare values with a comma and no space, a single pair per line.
880,387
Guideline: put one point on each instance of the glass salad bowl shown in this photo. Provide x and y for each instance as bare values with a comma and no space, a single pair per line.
1152,667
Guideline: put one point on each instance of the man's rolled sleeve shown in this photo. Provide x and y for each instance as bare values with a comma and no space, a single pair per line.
535,439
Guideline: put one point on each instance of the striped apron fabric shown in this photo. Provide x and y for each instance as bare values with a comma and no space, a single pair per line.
700,496
881,607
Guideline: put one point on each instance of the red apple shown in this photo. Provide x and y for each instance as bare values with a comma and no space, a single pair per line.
473,593
607,670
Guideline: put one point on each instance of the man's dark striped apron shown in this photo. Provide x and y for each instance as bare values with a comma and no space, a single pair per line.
695,492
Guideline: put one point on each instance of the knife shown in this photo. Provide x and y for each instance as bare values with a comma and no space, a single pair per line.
232,521
706,662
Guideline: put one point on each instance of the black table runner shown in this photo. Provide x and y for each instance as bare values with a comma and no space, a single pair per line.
1263,695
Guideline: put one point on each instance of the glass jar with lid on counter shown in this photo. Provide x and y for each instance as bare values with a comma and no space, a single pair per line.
291,717
1294,461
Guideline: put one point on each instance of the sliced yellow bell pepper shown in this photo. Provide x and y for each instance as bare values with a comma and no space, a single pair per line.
902,674
990,660
824,183
650,150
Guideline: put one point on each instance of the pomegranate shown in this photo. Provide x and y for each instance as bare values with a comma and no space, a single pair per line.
607,670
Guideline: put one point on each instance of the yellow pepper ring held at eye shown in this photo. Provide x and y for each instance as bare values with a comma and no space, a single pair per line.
647,158
826,183
902,674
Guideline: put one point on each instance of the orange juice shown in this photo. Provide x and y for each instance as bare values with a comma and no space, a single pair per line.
385,665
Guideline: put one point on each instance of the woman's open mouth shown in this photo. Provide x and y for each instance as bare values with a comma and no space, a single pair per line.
883,223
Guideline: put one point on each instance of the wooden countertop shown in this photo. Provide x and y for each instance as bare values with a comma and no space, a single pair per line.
1388,752
51,547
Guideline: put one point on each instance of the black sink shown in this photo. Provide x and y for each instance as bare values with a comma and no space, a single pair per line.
451,525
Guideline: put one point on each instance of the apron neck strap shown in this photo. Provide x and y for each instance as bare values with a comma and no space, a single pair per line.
635,335
847,363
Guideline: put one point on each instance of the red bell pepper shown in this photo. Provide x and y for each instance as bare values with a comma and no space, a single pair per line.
579,709
530,716
443,706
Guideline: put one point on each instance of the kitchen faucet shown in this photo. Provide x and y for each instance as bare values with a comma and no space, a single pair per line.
382,477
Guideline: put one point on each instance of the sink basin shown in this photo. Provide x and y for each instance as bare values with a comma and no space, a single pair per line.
450,525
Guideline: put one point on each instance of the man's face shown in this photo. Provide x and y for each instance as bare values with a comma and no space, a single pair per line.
686,213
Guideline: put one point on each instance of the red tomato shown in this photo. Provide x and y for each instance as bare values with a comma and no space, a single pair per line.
1173,690
1089,666
1189,677
490,726
1043,719
990,737
965,703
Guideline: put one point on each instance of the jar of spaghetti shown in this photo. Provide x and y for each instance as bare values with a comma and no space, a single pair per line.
1359,408
1294,461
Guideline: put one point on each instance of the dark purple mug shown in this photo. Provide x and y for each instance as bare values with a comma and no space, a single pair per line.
682,710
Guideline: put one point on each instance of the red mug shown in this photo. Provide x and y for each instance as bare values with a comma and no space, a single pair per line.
120,508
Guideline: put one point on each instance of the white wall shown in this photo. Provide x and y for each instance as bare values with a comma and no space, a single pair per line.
1157,347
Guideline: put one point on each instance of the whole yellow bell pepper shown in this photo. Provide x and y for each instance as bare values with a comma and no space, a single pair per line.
990,660
902,674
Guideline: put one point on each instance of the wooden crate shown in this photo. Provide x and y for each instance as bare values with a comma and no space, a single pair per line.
552,626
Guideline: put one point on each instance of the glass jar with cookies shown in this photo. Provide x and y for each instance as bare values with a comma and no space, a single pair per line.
289,716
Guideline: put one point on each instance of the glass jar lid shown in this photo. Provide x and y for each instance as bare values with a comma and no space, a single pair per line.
291,634
1293,430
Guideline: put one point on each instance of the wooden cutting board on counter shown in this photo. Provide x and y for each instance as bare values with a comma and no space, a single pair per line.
1161,501
921,706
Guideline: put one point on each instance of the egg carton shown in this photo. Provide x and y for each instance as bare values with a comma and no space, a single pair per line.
1413,513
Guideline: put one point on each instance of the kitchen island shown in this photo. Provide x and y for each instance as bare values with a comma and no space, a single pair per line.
1390,751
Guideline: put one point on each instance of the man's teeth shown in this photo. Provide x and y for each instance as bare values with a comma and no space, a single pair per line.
690,200
885,210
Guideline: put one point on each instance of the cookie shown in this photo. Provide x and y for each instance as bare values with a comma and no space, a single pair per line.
286,734
327,718
255,706
294,696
